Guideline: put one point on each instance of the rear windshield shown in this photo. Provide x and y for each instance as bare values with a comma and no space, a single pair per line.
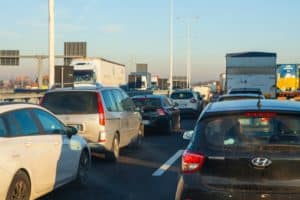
71,102
251,129
182,95
147,102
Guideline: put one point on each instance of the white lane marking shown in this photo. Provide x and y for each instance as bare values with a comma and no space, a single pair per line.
168,164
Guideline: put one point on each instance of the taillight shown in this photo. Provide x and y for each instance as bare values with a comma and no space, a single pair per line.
193,101
100,110
160,112
191,162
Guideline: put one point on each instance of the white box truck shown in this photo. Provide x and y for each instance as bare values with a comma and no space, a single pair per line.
98,70
252,70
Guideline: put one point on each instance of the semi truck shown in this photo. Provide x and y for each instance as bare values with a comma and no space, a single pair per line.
288,80
98,70
252,70
139,80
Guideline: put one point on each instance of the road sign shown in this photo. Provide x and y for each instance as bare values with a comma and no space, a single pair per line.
74,49
9,57
64,76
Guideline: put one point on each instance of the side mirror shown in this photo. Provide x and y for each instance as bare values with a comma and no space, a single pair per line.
187,135
71,131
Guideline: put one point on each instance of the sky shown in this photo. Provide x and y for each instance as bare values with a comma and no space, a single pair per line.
137,31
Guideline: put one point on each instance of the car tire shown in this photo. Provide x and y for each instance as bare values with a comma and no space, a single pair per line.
20,187
139,139
170,127
114,154
83,169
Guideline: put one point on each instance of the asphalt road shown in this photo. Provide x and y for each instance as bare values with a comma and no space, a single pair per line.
132,177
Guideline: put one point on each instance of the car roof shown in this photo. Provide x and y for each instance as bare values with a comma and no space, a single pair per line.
253,105
241,95
182,90
80,89
152,96
5,106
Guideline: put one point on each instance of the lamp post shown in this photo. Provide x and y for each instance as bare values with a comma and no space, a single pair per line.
171,48
51,42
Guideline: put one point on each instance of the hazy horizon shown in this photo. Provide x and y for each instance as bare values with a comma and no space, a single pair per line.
135,31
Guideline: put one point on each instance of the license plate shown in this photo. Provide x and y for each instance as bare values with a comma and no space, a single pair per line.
146,122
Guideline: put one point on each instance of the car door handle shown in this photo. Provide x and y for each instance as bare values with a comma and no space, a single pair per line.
28,144
56,143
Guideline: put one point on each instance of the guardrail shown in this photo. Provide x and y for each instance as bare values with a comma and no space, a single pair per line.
21,97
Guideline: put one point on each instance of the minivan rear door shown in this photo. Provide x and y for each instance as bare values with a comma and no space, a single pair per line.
75,108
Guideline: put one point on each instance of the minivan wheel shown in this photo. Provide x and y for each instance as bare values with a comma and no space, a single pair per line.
113,155
139,139
19,188
83,169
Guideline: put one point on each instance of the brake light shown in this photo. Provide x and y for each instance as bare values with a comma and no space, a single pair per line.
260,114
160,112
191,162
193,101
100,110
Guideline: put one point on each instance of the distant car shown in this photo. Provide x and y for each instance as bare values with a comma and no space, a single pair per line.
104,116
246,149
245,90
158,112
188,101
239,96
38,152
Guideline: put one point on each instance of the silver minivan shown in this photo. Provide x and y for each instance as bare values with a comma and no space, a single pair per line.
105,116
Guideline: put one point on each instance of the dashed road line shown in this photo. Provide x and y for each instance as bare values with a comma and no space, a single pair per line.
160,171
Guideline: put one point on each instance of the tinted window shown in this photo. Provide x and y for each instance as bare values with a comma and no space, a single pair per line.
118,99
2,128
21,123
166,102
49,123
182,95
251,129
147,102
71,102
109,101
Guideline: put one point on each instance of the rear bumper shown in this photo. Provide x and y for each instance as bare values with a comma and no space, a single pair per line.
98,147
185,191
188,111
161,122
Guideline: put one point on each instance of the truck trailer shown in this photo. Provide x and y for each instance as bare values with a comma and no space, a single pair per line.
252,70
98,70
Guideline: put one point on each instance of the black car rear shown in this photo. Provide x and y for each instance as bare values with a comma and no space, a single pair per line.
244,154
158,112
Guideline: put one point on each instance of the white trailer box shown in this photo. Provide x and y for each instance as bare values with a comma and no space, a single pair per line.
98,70
252,70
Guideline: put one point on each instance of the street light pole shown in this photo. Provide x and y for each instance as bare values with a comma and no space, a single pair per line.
188,54
51,43
171,48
